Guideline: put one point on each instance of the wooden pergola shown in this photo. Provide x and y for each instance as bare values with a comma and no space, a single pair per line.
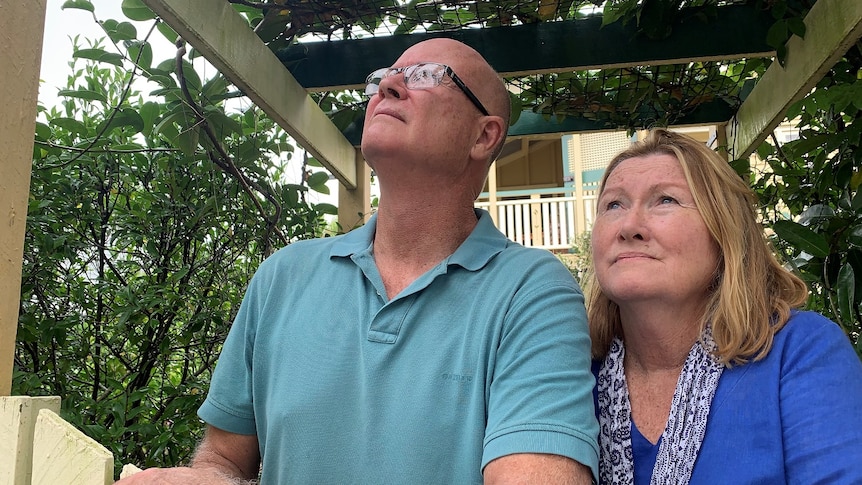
214,28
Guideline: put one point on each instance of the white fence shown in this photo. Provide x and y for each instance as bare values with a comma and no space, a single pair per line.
550,222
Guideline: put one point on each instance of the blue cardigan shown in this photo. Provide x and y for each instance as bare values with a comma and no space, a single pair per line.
793,417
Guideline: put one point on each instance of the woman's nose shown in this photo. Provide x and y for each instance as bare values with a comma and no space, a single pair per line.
633,225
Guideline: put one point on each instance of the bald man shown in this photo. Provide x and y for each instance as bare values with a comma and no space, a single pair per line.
424,347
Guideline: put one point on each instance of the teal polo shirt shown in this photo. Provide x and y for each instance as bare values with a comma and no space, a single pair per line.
487,354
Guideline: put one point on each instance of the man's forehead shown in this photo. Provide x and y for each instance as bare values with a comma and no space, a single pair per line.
451,53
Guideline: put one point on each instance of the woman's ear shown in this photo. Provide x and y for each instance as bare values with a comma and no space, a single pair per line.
493,131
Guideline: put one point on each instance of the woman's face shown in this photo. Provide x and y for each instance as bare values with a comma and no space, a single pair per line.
649,240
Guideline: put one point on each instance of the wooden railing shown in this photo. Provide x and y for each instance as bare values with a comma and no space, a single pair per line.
544,218
38,447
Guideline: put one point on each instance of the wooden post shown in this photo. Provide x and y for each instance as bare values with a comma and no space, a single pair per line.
721,140
354,205
18,415
22,23
578,172
536,236
492,192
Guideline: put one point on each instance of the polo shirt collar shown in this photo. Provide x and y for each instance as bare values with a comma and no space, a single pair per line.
485,242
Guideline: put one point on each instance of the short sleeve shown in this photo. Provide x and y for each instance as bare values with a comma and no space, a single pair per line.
541,390
229,404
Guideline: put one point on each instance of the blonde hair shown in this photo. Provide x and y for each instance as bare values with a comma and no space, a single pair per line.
753,293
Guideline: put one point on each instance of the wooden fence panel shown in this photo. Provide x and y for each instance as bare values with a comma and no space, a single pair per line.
63,454
17,424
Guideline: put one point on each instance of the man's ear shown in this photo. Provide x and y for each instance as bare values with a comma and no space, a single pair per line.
493,130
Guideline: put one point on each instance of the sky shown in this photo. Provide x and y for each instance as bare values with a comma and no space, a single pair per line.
61,25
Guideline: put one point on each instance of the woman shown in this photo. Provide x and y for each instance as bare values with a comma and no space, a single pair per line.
706,371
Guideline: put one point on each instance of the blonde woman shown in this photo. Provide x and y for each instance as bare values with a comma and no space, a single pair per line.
706,370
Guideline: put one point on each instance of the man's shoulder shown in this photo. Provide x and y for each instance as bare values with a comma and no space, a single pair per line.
300,253
303,246
516,256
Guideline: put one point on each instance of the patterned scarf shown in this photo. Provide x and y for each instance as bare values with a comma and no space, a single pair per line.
686,422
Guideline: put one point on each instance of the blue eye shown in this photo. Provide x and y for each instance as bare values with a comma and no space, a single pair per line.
613,205
667,200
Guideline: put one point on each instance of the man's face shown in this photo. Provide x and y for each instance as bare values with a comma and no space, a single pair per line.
434,124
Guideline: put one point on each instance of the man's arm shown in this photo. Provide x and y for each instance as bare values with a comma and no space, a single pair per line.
528,468
221,458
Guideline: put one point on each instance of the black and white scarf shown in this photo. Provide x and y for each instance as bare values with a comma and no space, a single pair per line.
686,423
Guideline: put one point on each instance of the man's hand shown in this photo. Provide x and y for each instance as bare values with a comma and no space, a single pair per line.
180,476
222,458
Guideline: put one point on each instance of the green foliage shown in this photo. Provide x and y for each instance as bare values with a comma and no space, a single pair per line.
578,260
147,216
149,213
811,198
640,96
619,98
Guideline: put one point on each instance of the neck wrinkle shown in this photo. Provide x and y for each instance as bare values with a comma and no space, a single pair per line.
658,344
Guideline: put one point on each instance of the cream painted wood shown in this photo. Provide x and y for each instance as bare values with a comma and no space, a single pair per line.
578,172
721,140
832,26
129,470
17,425
516,219
22,23
354,205
522,152
215,29
536,221
64,455
492,192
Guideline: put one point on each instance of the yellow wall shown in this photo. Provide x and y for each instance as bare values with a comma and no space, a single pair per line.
541,165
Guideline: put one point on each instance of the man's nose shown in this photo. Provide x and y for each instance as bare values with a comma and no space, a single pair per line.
392,86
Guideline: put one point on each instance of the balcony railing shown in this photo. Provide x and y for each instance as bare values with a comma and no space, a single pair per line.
544,218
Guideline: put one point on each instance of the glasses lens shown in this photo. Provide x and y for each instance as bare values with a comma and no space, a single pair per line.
372,82
424,76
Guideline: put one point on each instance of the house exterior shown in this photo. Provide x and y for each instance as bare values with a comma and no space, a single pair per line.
541,191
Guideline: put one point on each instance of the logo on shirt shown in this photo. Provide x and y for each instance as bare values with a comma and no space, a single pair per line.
457,377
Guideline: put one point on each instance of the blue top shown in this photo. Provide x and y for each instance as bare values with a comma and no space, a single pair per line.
793,417
485,355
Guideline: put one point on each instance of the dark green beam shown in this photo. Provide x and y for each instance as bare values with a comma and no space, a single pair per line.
530,123
735,32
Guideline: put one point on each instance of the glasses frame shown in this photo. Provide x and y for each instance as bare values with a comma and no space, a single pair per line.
375,77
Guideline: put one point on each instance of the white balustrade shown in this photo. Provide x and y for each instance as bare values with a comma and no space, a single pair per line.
556,226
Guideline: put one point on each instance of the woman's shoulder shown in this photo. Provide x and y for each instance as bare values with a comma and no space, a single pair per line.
808,327
810,338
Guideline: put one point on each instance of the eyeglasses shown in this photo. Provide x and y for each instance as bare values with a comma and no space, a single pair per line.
426,75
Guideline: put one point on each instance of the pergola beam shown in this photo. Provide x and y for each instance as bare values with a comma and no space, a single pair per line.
832,26
532,124
22,23
224,38
735,32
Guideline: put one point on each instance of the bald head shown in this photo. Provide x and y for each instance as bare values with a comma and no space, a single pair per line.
476,73
479,76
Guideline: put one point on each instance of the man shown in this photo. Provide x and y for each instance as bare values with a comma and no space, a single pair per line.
423,347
